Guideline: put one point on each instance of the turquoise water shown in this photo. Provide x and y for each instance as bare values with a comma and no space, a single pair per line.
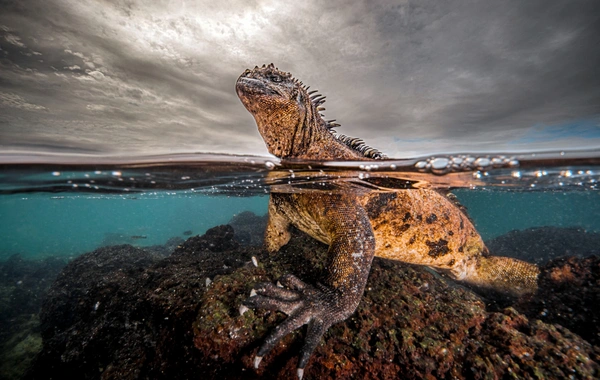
71,206
38,225
498,212
54,209
41,224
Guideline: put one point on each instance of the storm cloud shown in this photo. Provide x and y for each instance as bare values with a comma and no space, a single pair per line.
409,77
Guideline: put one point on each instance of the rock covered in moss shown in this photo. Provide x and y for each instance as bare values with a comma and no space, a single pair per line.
249,228
23,285
569,295
410,324
122,313
179,317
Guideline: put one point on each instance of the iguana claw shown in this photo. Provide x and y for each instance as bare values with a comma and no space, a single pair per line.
318,307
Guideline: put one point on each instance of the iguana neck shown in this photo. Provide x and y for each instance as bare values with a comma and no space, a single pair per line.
301,135
289,119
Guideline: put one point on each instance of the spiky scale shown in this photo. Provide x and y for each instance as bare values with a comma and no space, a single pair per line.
316,101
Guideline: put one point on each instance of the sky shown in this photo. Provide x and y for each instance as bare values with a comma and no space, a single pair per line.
409,77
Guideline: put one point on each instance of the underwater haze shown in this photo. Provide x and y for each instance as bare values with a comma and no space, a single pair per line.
142,266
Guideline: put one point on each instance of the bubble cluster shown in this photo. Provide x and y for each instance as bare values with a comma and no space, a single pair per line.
447,164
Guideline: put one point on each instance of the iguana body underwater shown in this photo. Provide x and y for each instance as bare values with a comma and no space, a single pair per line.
417,226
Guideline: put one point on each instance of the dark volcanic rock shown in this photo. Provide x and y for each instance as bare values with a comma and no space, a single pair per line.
23,285
249,228
165,249
162,319
88,285
410,324
216,239
569,294
123,313
569,286
542,244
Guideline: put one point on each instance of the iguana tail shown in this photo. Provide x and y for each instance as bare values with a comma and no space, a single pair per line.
504,274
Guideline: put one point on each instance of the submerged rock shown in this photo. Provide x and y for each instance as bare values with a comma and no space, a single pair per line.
569,295
249,228
166,249
123,313
541,244
23,285
410,324
179,317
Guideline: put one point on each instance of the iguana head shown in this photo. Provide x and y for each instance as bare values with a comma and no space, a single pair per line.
281,107
289,119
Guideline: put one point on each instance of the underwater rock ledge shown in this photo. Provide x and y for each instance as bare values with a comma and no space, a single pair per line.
23,286
123,313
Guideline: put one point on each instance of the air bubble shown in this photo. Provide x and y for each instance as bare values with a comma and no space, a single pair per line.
269,165
482,162
56,174
457,161
440,163
497,161
421,165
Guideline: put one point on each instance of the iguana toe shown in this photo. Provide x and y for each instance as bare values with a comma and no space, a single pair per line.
317,307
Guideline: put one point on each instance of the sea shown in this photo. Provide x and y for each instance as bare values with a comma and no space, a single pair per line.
59,207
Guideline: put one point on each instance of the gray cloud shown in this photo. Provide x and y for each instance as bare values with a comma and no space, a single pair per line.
410,77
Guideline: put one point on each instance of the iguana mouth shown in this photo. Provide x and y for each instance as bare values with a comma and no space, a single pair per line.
252,86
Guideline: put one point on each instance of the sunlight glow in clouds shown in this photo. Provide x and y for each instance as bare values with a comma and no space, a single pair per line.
410,78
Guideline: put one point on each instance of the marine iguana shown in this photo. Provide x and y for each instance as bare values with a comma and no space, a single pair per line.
417,226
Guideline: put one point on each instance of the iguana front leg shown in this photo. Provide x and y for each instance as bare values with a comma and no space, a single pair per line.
349,260
277,233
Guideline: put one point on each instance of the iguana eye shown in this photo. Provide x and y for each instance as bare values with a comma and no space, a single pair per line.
275,78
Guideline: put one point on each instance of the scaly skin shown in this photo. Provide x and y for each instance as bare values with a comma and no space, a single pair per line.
417,226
